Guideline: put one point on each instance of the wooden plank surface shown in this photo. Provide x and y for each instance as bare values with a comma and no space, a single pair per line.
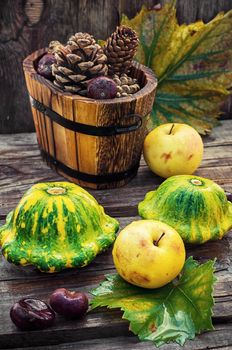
220,339
18,282
27,25
27,168
20,167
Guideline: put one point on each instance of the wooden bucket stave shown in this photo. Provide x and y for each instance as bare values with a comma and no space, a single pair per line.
97,156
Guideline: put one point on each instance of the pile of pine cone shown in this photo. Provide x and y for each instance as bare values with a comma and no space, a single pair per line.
82,59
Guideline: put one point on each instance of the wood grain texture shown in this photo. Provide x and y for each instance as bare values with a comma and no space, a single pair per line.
100,323
93,155
219,339
20,167
31,24
27,25
16,282
20,159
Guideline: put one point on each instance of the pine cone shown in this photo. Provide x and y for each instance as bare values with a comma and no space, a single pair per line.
120,49
78,62
53,46
126,86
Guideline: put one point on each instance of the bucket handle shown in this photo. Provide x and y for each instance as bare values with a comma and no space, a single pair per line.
123,129
85,128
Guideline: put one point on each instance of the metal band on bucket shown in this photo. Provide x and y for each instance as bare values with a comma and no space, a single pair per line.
96,179
85,128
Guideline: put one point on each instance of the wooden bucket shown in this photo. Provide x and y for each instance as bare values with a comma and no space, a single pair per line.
94,143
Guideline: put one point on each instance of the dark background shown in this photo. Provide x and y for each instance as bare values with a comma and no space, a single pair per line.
26,25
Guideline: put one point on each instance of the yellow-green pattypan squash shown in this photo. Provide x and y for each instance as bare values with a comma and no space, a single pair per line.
196,207
56,225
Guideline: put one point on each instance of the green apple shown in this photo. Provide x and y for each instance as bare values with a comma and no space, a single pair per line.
148,253
173,149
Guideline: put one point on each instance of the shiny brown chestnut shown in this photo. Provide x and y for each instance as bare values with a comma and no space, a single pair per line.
68,303
101,88
30,313
45,65
229,196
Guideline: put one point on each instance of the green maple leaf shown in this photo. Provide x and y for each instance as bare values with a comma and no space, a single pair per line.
175,312
193,64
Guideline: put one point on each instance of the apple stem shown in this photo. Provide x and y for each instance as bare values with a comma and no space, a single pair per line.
157,242
171,129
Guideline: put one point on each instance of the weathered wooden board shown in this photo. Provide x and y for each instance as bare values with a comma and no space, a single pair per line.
27,168
20,167
219,339
16,282
27,25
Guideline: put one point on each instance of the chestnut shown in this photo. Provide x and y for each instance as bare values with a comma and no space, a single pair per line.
229,196
68,303
29,314
45,65
101,88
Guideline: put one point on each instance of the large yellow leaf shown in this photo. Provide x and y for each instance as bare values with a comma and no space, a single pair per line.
193,64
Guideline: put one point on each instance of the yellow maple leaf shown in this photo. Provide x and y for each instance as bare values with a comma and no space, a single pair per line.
193,64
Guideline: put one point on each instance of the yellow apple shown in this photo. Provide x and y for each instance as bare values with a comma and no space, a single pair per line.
148,253
173,149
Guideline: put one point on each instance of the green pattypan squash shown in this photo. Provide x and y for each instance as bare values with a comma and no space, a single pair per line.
56,225
196,207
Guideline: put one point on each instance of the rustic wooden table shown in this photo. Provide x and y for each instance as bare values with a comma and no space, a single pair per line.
21,167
